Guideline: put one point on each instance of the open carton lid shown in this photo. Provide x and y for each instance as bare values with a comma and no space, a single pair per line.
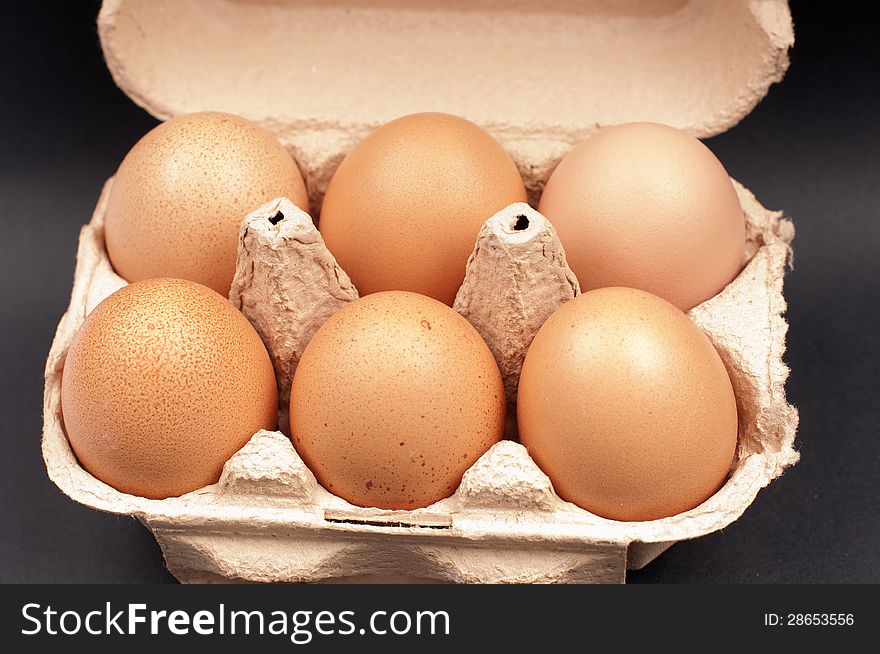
321,75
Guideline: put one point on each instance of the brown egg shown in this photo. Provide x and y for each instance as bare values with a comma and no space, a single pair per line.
404,208
164,381
647,206
626,406
180,194
395,397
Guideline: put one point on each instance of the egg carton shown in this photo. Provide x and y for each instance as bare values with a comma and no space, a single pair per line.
268,519
701,67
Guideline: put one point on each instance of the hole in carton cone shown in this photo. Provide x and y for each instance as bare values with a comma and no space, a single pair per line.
277,218
521,223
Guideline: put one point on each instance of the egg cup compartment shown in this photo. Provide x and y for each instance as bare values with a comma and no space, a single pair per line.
268,520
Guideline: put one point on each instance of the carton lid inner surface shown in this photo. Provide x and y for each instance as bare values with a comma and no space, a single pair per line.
551,70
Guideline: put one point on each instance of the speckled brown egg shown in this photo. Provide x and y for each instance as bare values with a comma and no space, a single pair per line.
395,397
404,208
626,405
647,206
163,382
180,194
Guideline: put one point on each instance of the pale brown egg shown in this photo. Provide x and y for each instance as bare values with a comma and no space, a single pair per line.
395,397
163,382
647,206
626,405
181,192
404,208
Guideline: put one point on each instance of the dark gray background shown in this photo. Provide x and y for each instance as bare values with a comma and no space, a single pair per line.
810,148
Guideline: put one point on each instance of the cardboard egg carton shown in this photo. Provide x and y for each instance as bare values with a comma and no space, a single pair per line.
267,519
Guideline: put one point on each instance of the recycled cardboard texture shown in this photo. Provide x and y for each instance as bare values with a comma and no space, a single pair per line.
516,277
320,77
268,519
287,284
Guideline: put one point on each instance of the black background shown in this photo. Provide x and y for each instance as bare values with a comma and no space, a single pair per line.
810,148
